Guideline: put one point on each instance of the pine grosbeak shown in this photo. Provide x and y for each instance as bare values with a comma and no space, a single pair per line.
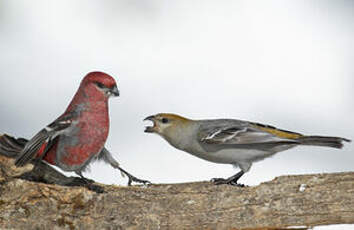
229,141
78,136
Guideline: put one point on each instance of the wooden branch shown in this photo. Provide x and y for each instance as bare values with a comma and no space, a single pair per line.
304,200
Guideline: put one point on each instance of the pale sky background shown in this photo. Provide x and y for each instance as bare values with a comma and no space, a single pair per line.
284,63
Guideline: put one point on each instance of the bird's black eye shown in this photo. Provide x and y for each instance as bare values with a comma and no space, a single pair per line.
100,85
164,120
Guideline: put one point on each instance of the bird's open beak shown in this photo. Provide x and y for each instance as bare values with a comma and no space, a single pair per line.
114,91
150,129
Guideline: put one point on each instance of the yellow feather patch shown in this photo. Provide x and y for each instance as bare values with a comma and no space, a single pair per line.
278,132
173,117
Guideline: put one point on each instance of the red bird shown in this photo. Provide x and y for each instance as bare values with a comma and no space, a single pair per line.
78,136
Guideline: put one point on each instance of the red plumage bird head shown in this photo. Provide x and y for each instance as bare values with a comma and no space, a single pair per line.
100,83
96,87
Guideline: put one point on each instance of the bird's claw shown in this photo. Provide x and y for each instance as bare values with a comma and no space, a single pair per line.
219,181
137,180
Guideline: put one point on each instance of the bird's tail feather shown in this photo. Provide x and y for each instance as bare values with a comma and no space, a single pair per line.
334,142
10,146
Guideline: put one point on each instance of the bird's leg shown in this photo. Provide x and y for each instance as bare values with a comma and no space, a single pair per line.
106,156
132,178
231,180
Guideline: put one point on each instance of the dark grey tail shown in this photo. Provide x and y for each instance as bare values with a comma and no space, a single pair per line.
335,142
10,146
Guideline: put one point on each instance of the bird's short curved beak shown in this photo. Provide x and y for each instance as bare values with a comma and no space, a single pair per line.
149,118
114,91
150,129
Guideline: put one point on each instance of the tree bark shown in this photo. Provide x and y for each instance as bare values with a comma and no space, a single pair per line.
303,200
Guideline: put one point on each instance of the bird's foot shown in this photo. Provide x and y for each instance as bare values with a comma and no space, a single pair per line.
89,184
132,178
84,182
219,181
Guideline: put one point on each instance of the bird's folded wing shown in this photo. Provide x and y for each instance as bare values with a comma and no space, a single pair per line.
45,137
244,134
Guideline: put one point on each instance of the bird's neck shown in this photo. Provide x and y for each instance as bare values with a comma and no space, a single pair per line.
181,137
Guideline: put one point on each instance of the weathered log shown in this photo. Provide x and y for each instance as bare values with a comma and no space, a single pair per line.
303,200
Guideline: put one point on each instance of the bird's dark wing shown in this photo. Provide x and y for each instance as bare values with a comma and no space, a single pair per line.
44,139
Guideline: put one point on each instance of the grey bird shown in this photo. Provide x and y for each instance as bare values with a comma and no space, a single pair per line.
230,141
